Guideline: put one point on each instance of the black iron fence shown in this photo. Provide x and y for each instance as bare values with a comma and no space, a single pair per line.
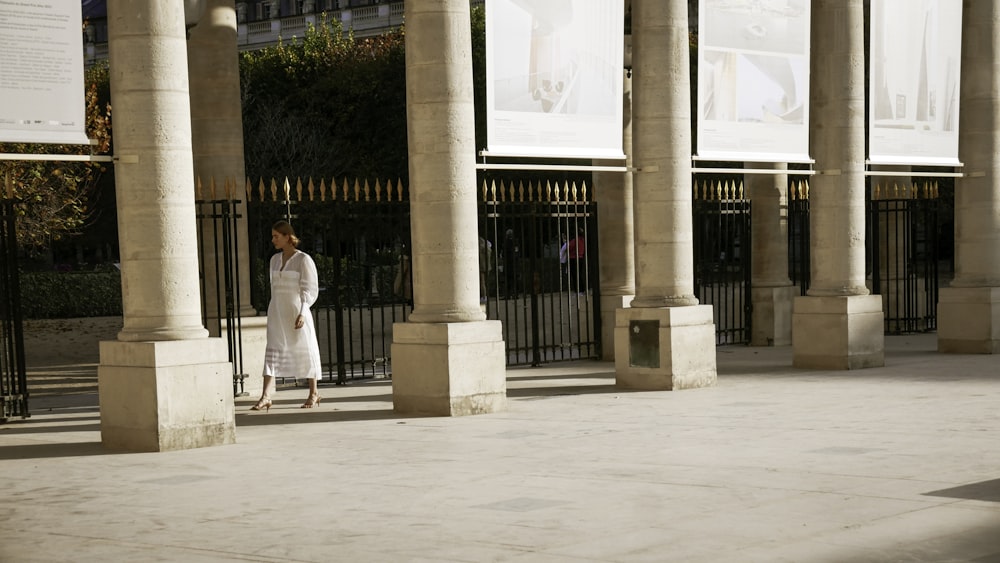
359,236
538,267
904,226
219,267
722,257
13,375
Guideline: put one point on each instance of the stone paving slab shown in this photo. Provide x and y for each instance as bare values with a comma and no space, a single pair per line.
773,464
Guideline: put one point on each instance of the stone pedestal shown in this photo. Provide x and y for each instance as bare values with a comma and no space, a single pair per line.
771,320
448,369
610,304
668,348
838,332
968,320
168,395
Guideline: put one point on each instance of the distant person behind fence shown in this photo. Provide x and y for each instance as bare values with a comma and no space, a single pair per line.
576,253
292,349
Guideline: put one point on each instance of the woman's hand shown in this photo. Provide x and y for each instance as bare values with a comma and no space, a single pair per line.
299,321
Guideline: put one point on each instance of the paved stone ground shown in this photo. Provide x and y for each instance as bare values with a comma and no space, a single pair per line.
62,356
773,464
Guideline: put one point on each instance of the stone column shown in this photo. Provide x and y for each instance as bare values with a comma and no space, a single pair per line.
666,340
838,325
969,310
613,193
772,290
447,359
163,384
217,143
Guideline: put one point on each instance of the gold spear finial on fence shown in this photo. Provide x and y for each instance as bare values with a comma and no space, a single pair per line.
311,188
248,188
197,189
583,190
520,191
493,190
378,190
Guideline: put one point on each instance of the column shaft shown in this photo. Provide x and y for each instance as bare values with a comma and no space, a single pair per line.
977,198
769,224
662,134
837,197
156,214
613,193
440,124
772,291
217,136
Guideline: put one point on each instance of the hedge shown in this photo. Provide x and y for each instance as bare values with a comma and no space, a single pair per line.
58,295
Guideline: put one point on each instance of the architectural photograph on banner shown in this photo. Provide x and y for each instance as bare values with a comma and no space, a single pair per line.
41,73
916,50
554,72
753,80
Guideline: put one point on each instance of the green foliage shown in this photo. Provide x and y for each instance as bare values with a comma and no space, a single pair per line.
55,295
326,104
54,197
479,71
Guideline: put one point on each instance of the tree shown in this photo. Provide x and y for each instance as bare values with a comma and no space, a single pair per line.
53,197
326,106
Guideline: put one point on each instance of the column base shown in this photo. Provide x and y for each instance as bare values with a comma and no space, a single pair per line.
838,332
448,369
666,349
609,307
771,320
968,320
166,395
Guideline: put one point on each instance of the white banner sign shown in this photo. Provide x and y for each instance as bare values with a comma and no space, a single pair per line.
41,72
753,80
554,72
916,53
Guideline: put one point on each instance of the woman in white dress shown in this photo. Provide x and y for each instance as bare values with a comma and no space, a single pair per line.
292,349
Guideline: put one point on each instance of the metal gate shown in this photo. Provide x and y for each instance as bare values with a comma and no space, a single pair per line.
539,269
903,227
798,234
13,375
218,236
722,257
359,236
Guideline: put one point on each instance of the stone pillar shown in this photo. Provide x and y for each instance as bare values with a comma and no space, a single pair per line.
217,143
969,310
613,192
838,325
447,359
163,384
666,340
772,290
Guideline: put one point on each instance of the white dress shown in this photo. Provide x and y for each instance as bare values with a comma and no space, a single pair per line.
292,352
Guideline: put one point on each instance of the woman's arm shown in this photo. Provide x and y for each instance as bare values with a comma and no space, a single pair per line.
308,283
